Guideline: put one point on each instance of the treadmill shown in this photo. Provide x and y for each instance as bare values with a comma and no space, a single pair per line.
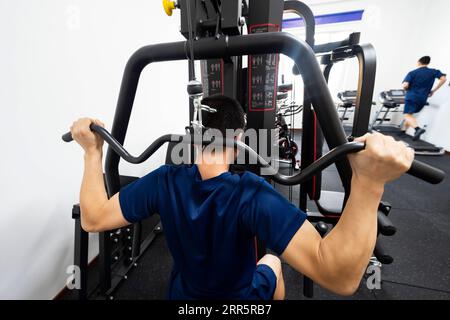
391,102
347,105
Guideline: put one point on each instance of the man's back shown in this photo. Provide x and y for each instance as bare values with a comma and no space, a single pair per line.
210,226
421,82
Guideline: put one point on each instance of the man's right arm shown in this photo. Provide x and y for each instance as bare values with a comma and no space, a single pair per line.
338,261
441,82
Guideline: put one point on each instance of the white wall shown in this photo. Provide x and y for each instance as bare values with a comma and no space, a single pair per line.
60,60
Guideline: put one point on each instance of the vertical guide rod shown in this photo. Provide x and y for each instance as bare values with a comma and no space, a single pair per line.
191,43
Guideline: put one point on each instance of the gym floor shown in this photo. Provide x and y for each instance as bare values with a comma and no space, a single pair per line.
420,248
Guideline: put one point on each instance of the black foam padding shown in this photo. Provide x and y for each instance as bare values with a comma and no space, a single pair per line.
385,225
426,172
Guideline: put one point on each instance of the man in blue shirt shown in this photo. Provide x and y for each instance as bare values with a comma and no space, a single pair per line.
211,216
418,85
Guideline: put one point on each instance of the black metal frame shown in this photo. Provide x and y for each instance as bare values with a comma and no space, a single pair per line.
352,39
366,55
81,245
249,44
304,12
367,72
224,47
210,48
308,140
309,122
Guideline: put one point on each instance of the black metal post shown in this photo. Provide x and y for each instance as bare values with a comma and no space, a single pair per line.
81,253
367,71
262,77
303,11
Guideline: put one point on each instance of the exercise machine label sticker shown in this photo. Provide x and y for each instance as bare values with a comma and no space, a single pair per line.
212,76
263,74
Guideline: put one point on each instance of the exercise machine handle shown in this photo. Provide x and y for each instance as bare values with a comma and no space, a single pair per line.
426,172
120,150
418,169
67,137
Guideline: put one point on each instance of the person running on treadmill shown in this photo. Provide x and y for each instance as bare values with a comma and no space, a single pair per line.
211,216
418,85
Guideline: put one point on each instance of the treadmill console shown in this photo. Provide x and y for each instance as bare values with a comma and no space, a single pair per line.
348,96
396,96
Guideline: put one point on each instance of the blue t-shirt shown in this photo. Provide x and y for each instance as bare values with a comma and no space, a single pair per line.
210,226
421,82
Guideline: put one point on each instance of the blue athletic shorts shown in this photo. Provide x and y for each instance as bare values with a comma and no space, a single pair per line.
412,106
263,285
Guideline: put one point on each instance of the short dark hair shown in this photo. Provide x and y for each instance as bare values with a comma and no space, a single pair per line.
229,114
425,60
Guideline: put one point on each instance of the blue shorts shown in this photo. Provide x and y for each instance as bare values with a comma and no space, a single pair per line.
262,287
263,284
412,106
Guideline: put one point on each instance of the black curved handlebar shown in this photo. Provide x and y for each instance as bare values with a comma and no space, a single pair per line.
418,169
120,150
292,111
